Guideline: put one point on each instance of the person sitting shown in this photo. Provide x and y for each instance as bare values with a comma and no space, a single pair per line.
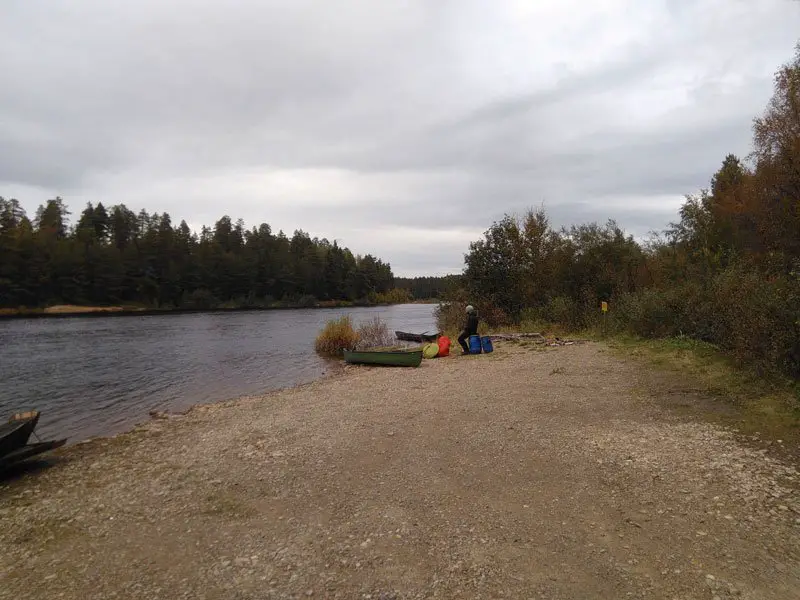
470,328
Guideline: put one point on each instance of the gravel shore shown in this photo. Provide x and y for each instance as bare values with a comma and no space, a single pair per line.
527,473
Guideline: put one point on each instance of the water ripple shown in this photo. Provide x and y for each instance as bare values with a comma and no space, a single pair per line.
101,375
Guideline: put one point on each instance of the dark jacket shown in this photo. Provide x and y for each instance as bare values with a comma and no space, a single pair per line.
471,326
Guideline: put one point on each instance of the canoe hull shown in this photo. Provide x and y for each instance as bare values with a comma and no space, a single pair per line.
417,337
14,434
28,451
401,358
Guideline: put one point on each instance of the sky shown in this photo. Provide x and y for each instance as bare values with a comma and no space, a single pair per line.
400,128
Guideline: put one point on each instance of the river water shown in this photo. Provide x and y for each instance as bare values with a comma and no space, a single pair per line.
95,376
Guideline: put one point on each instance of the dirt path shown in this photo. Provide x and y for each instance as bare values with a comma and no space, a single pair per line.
515,475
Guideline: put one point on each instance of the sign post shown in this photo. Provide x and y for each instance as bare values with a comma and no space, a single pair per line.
604,309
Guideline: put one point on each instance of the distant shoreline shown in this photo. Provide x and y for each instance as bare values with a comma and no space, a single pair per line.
71,311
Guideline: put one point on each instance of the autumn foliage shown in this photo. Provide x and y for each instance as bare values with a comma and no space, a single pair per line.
727,272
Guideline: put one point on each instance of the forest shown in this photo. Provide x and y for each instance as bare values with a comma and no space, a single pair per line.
428,288
727,271
118,257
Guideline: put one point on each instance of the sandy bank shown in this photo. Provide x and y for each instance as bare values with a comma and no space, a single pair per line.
548,473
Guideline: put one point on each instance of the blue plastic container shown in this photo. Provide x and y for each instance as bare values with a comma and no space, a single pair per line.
486,344
474,344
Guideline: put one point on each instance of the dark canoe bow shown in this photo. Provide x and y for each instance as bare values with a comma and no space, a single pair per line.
14,436
417,337
15,433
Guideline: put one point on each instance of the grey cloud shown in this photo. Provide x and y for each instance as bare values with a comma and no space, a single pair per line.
106,104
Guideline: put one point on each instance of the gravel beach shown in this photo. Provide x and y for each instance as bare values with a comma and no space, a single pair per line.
527,473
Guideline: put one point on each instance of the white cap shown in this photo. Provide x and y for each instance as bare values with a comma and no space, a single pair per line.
470,308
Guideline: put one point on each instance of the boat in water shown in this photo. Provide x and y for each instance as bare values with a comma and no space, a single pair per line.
389,358
417,337
15,435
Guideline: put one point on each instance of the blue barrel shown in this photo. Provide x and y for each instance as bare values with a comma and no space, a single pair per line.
486,343
474,344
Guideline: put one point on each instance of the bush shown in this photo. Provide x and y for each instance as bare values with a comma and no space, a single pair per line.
374,334
739,310
651,313
337,336
756,319
449,316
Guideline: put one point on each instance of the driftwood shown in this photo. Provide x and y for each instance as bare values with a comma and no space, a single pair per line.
536,338
516,336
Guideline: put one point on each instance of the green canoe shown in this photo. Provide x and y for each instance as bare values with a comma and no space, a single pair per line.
391,358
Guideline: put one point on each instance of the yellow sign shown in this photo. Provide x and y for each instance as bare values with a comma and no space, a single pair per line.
604,306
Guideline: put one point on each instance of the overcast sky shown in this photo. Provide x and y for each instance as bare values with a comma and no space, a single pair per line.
401,128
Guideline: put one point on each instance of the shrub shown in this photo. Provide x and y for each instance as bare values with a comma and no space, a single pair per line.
651,313
739,310
756,319
337,336
374,334
492,315
449,316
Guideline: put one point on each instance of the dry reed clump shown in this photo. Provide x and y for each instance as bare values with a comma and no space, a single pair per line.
374,334
337,336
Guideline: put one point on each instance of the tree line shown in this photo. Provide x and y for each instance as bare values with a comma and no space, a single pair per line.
428,288
116,256
726,272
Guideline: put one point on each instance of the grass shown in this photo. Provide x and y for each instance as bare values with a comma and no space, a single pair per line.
768,408
337,336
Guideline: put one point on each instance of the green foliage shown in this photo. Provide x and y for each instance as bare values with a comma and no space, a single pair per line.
429,288
337,336
524,264
115,256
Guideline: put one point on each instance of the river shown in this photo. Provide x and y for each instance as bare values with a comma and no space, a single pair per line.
93,376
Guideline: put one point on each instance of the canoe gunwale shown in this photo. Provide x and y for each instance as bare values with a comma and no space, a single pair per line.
389,358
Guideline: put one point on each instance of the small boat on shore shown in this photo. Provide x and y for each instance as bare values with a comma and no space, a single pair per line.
417,337
389,358
15,433
14,436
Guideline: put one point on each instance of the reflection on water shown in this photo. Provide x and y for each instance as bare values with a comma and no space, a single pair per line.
101,375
